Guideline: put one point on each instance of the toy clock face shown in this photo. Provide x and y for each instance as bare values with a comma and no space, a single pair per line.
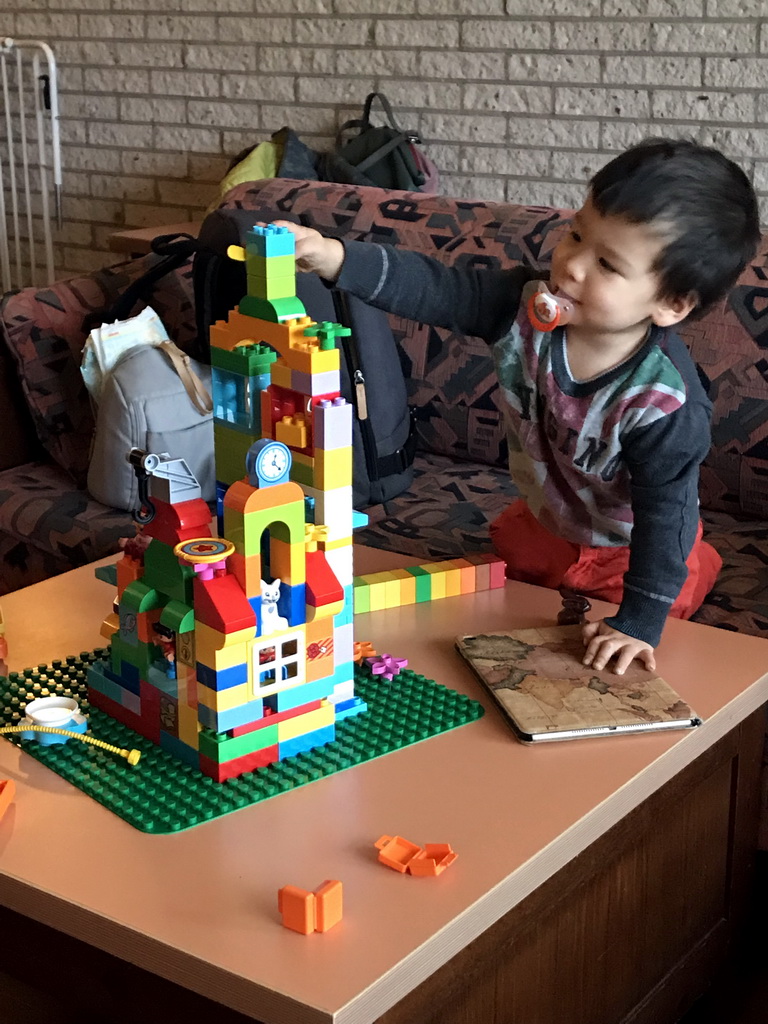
269,462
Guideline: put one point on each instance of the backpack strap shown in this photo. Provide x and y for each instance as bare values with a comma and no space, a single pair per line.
386,106
175,250
197,391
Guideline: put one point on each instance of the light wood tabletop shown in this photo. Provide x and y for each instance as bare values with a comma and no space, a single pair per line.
200,907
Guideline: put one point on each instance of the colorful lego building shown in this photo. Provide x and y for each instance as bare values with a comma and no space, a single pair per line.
236,651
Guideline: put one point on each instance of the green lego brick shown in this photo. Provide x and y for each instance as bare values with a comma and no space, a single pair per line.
274,311
265,266
361,596
231,448
178,616
247,360
221,748
107,574
162,795
167,574
272,288
423,583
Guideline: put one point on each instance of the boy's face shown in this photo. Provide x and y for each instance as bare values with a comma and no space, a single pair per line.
604,264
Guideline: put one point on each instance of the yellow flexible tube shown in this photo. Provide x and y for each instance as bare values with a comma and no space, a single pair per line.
131,756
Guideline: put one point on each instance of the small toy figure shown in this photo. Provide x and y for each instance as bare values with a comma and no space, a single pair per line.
165,639
270,620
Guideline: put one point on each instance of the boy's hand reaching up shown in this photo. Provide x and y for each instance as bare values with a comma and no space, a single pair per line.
603,642
314,252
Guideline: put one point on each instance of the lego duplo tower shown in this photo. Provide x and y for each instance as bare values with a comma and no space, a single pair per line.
235,653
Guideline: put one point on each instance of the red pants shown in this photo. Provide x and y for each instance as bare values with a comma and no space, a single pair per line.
534,555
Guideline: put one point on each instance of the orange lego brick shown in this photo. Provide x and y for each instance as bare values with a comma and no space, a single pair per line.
328,905
432,860
396,852
297,907
8,792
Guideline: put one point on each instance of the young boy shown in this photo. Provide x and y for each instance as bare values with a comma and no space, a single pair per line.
607,421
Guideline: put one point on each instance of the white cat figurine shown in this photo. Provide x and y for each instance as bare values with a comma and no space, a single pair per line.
270,620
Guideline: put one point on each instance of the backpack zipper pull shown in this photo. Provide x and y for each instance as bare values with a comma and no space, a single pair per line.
360,397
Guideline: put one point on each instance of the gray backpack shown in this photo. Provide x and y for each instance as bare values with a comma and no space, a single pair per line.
158,399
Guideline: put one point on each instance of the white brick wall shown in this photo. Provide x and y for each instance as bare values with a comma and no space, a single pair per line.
516,99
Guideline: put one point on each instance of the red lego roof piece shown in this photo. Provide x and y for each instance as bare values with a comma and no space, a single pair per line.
183,521
221,604
322,585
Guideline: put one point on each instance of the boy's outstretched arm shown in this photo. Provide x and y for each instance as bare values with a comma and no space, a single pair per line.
315,252
603,642
476,301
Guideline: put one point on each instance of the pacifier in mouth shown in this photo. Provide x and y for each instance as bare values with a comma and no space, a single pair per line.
547,311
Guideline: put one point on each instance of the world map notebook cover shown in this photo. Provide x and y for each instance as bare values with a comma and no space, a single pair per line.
538,681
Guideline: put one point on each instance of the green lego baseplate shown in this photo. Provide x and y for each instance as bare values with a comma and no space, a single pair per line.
163,795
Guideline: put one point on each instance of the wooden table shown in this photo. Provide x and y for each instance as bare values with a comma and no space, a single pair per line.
598,881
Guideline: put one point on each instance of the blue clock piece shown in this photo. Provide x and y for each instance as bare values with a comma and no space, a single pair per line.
268,463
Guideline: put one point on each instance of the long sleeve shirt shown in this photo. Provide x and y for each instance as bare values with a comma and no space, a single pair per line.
605,462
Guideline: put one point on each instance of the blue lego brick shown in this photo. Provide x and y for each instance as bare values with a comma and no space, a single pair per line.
129,678
359,519
103,681
221,490
179,749
316,738
162,682
348,708
292,604
224,678
304,694
223,721
270,241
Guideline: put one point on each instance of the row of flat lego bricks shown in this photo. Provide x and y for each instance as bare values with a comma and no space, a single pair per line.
162,795
374,592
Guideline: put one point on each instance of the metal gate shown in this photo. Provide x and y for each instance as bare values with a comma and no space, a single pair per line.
30,163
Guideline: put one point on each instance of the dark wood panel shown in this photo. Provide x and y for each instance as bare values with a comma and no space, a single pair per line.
632,929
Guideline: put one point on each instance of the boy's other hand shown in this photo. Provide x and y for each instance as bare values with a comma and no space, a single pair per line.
315,252
603,642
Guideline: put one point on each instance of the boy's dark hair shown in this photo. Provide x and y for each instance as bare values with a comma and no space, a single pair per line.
706,199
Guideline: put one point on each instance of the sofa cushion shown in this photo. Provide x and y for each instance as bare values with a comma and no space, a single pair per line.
48,525
444,513
45,330
730,347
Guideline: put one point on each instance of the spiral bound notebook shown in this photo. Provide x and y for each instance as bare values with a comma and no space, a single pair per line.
545,693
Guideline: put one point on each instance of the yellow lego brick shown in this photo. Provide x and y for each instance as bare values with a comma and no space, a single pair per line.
308,722
333,468
292,431
392,593
189,726
324,611
407,586
310,359
377,590
281,374
221,650
224,700
437,579
109,626
287,562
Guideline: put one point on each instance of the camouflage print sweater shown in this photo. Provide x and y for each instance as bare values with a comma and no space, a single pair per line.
610,461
